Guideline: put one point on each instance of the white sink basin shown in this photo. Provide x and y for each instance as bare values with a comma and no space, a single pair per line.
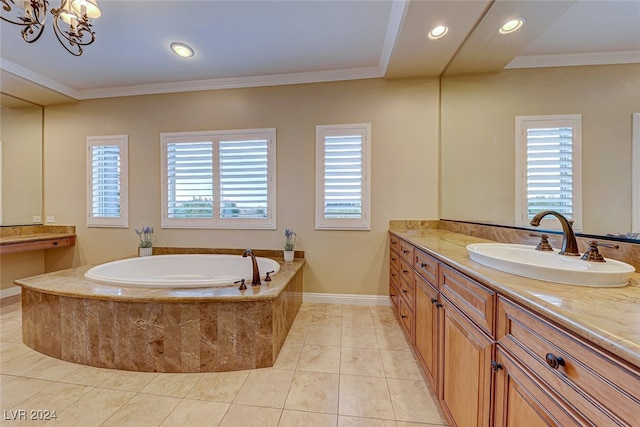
524,260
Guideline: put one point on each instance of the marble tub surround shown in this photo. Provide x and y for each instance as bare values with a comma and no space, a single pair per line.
219,329
608,317
267,253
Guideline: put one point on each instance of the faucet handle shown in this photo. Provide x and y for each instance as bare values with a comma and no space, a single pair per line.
544,243
242,287
268,278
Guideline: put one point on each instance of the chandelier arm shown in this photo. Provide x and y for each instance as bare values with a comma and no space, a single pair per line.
35,20
63,36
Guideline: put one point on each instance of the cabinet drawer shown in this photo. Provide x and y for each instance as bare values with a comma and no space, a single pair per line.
393,295
406,251
406,283
406,318
394,260
426,266
603,389
473,299
394,243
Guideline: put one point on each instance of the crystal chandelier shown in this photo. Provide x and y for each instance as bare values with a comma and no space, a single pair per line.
71,21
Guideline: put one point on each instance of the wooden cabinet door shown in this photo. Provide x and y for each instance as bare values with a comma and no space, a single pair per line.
426,327
520,400
465,375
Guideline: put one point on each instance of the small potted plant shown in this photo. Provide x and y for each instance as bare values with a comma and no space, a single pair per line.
289,244
146,240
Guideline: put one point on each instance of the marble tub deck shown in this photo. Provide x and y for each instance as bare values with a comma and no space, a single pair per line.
67,316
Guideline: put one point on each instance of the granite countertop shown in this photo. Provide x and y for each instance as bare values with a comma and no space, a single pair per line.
72,283
608,317
36,237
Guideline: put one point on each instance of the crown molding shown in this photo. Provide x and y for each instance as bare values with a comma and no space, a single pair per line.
38,79
575,59
234,82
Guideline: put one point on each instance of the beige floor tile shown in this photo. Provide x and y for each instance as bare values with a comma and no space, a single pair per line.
307,419
22,364
344,421
151,408
359,310
314,392
296,338
323,335
15,391
326,319
54,398
174,385
251,416
51,369
361,361
328,308
196,413
359,337
288,356
93,408
218,386
381,311
11,350
11,330
129,380
319,359
265,387
401,365
392,339
88,375
412,401
365,397
385,322
303,318
408,424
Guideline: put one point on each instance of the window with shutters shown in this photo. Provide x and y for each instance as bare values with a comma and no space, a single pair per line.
107,186
219,179
548,168
343,189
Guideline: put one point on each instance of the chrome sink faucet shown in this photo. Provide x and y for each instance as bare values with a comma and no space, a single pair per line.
569,244
255,281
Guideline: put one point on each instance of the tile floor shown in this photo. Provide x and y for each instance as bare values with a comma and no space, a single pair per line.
342,365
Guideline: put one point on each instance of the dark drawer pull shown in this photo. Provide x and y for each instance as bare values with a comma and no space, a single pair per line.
404,291
438,305
554,361
434,300
423,265
394,259
403,316
405,252
405,271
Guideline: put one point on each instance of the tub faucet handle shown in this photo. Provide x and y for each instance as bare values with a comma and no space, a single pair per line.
268,278
242,287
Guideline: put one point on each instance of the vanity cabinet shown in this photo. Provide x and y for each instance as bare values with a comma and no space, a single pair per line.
494,362
466,346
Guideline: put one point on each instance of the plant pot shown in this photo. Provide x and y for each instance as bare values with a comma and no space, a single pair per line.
288,256
145,251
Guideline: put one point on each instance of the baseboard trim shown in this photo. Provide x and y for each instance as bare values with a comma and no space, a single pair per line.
9,292
349,299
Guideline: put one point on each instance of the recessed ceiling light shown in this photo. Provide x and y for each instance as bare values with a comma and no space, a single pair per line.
511,25
438,32
182,50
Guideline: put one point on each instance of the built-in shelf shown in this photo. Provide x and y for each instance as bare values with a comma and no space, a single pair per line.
35,238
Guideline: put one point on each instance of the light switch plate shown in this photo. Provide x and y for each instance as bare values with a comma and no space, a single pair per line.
51,219
37,219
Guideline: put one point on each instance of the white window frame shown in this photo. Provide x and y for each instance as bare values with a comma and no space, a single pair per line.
522,124
122,141
216,222
363,223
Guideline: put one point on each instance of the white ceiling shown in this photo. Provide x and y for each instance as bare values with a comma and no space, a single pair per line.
267,42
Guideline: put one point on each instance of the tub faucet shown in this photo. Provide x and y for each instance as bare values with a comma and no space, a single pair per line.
255,281
569,244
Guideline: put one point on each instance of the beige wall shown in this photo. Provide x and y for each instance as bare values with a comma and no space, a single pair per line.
477,139
404,121
21,167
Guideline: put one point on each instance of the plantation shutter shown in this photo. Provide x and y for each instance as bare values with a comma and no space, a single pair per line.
244,178
190,179
550,170
105,181
343,180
